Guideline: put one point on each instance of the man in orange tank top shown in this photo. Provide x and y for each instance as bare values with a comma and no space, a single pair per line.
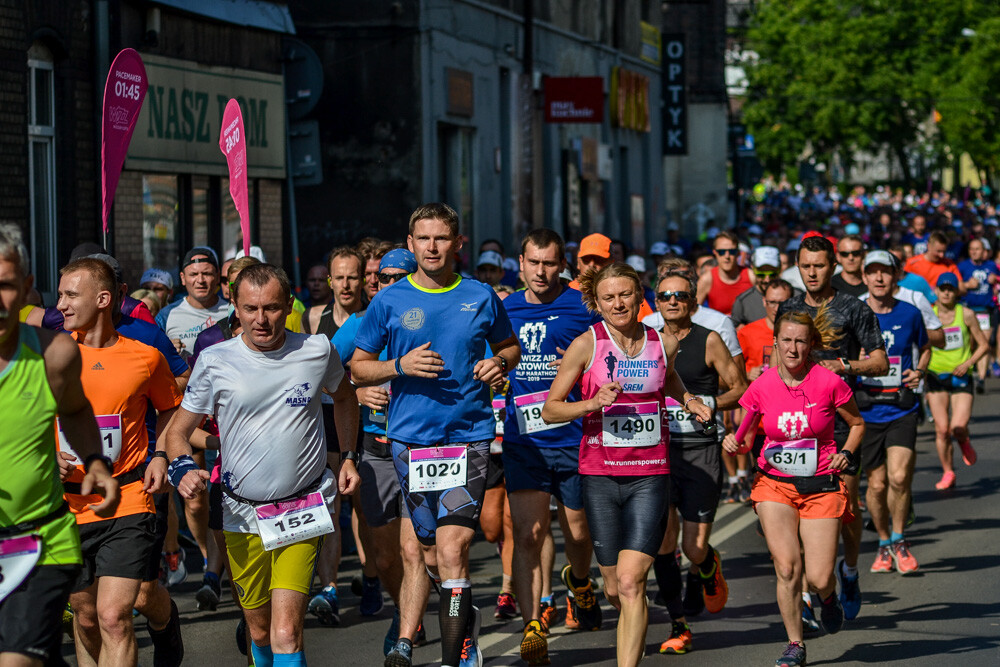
728,280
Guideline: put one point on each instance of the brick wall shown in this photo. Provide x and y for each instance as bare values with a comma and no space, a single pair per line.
271,220
128,227
13,107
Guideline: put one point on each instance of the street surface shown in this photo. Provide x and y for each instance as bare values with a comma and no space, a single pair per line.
946,614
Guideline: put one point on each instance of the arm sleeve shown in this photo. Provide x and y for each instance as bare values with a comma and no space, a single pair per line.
163,390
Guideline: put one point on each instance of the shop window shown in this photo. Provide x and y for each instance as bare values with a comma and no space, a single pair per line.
160,222
456,177
41,168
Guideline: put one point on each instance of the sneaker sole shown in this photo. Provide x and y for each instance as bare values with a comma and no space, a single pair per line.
207,599
326,616
396,660
535,650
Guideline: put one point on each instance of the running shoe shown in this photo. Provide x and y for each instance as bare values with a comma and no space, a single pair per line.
694,596
547,616
372,601
506,607
210,593
794,655
716,588
732,493
947,481
168,645
175,569
326,607
421,637
241,636
745,489
679,641
883,561
392,635
968,453
356,586
831,614
582,602
471,657
809,622
401,655
850,592
905,562
534,646
995,369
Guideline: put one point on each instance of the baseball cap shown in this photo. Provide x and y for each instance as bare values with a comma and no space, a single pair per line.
636,262
947,279
213,259
852,228
398,258
86,249
490,258
883,257
766,255
157,276
510,264
255,251
598,245
659,248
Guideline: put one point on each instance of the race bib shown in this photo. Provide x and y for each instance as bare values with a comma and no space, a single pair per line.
952,338
438,468
793,457
893,379
529,413
631,425
499,412
291,521
18,556
679,421
110,427
984,321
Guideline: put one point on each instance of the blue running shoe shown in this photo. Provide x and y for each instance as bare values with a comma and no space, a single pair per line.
809,622
371,597
471,657
326,607
392,636
401,655
850,592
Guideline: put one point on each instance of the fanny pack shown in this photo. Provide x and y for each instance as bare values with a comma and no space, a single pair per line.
34,524
376,446
808,485
133,475
903,398
256,503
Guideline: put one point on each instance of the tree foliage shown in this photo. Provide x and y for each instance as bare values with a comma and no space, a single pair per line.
868,74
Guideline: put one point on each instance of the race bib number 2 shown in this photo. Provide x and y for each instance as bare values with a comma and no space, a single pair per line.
631,425
284,523
892,379
438,468
110,427
18,556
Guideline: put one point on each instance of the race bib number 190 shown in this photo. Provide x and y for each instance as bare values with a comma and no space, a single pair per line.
631,425
280,524
438,468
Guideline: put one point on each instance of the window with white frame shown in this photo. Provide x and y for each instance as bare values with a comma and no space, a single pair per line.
41,168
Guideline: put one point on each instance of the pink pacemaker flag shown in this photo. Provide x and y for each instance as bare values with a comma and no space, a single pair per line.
124,93
232,143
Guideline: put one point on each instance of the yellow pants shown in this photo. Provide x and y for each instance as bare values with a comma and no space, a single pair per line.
257,572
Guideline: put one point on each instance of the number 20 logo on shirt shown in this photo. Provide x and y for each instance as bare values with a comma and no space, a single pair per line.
793,424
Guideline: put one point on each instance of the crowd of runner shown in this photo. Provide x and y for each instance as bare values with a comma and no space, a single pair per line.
403,405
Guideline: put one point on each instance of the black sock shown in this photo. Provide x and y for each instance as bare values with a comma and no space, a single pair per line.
578,583
707,566
668,578
453,615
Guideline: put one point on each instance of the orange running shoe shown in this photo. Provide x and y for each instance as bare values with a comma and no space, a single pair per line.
716,588
679,641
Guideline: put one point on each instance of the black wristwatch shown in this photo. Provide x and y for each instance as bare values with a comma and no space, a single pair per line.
95,457
349,456
503,363
160,455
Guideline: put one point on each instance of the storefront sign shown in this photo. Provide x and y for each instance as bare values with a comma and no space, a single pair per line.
460,92
675,96
574,99
630,99
181,121
650,43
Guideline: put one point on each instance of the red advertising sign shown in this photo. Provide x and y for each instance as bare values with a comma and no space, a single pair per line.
574,99
232,143
124,92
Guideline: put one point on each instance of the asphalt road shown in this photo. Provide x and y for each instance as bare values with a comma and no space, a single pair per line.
948,613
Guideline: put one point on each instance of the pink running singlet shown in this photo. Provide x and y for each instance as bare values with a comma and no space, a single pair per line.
629,438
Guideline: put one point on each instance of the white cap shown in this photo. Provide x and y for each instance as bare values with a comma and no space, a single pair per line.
255,252
659,248
510,264
766,256
490,258
636,262
883,257
566,274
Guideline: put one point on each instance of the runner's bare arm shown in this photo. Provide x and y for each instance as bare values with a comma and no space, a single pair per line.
367,370
912,378
182,380
491,371
156,469
673,386
729,372
704,287
981,345
556,408
76,417
345,418
875,365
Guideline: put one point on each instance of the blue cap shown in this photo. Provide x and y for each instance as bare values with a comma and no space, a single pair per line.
852,228
947,279
399,258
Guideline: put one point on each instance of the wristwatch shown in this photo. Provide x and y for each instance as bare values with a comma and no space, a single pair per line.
94,457
503,363
847,365
349,456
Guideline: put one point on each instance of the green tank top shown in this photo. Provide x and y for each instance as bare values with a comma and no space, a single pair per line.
29,475
957,345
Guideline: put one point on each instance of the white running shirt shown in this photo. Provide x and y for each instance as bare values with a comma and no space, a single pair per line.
270,422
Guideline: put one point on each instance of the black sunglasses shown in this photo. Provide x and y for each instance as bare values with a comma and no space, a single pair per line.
386,278
732,252
851,253
681,295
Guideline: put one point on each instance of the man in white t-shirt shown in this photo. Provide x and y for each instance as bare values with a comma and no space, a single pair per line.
185,318
263,388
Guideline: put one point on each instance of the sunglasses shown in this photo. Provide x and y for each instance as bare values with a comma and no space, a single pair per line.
681,295
851,253
765,274
732,252
386,278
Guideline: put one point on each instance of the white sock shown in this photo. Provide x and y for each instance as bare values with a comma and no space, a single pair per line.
733,479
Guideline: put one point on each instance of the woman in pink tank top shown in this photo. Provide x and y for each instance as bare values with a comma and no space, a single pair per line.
625,370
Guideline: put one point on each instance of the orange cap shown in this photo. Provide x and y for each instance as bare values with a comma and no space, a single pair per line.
595,244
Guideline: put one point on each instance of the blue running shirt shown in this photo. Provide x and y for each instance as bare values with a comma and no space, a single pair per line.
460,322
903,331
981,298
343,340
540,329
